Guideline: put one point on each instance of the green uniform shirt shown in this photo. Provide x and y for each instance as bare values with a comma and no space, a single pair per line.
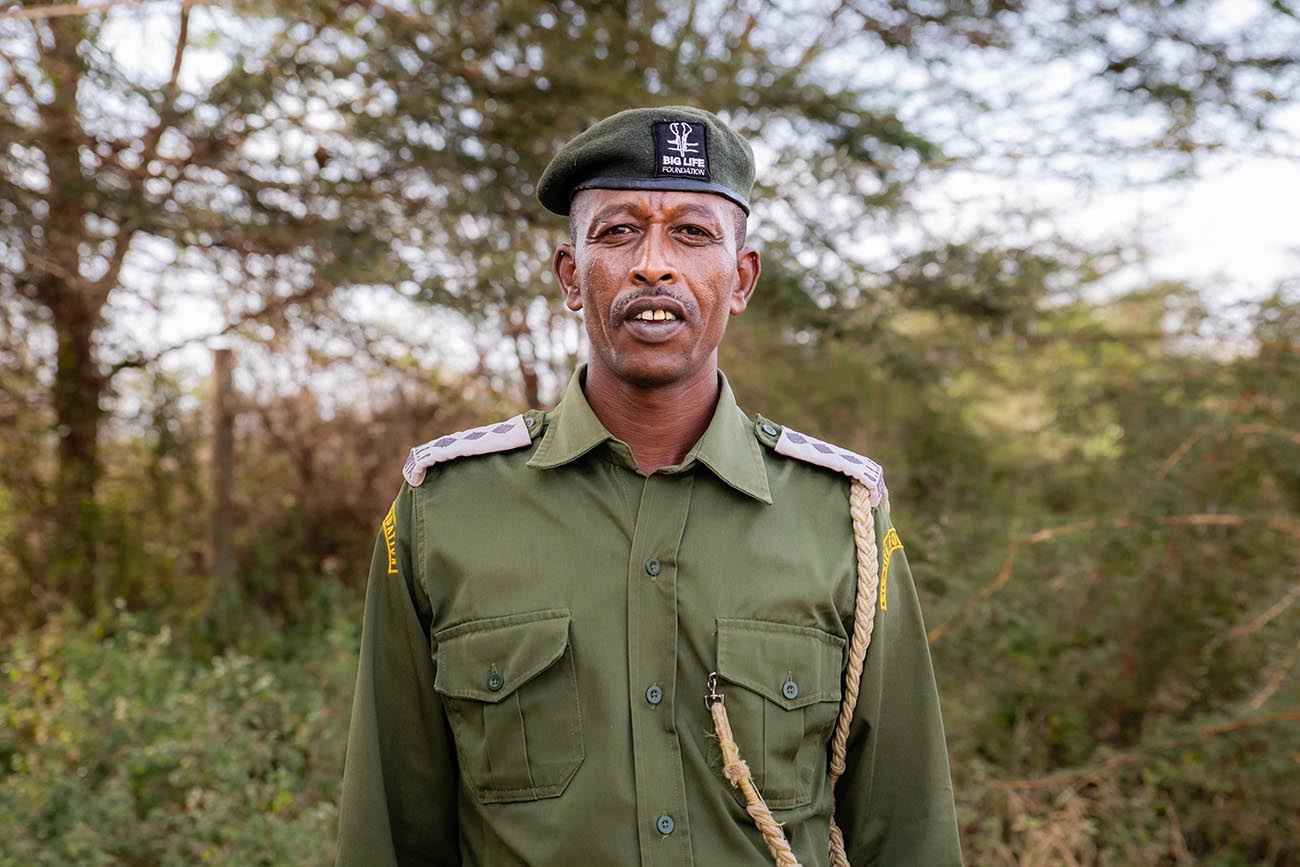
540,626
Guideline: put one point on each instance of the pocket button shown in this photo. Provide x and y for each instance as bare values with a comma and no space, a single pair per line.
495,681
790,690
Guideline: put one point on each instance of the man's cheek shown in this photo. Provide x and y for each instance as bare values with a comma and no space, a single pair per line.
595,278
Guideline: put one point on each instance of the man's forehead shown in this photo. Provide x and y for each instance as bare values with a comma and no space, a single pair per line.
602,203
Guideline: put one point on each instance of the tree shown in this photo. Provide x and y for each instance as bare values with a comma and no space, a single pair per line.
233,186
319,147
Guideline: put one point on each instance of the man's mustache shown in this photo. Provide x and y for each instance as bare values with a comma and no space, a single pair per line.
621,303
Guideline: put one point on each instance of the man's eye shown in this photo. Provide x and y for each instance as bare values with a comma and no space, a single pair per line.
695,230
621,229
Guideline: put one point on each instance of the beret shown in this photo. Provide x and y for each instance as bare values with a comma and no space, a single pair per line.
675,147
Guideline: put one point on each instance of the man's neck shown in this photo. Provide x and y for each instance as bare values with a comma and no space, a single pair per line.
659,424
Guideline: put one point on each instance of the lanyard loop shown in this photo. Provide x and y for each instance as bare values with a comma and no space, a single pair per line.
713,697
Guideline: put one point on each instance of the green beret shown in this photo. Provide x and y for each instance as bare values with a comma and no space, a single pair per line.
671,148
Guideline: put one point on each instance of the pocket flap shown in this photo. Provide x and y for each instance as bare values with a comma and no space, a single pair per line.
793,666
488,660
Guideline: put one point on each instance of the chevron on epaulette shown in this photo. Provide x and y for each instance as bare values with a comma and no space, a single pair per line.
496,437
806,448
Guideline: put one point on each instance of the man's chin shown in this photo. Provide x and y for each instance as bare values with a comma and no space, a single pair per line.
649,372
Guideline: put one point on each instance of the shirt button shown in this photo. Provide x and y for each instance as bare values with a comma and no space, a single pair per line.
495,681
665,825
769,429
654,695
652,566
790,690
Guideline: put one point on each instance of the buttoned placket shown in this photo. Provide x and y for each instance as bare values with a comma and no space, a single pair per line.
662,824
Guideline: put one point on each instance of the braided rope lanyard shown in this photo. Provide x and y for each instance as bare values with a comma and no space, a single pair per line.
734,767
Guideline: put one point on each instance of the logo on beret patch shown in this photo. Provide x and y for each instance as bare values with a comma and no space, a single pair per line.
681,150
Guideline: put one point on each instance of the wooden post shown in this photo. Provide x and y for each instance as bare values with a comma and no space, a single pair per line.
223,474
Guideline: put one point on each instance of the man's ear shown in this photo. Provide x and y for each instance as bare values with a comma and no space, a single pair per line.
566,267
748,266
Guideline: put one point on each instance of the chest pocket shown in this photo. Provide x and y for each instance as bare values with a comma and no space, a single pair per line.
783,714
511,695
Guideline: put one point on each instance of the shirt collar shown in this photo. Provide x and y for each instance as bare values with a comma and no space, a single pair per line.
728,446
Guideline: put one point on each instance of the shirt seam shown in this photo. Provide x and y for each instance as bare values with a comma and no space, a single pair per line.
417,568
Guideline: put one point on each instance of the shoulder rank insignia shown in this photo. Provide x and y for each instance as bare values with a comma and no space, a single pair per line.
805,448
500,436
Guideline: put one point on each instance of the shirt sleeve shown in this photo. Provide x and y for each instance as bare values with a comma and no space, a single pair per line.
400,780
895,801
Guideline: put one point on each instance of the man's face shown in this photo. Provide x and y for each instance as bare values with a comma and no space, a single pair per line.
658,274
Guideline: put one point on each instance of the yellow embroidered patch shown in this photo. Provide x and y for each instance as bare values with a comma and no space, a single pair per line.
390,537
892,544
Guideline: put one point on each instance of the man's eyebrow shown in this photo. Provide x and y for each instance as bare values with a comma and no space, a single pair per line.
610,211
698,211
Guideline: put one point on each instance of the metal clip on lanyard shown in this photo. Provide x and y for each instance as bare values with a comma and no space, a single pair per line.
713,694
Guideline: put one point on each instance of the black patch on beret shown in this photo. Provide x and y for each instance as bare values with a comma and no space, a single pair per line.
682,150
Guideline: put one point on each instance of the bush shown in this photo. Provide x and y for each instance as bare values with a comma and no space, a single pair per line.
119,747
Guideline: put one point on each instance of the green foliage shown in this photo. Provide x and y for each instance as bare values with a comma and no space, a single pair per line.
122,745
1101,506
1131,697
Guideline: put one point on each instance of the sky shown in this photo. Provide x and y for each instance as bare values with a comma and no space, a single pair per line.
1234,229
1231,231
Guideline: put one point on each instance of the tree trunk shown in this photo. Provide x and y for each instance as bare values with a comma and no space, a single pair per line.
223,476
76,525
516,328
75,307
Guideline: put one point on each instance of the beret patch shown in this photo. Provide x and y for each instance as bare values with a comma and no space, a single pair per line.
682,150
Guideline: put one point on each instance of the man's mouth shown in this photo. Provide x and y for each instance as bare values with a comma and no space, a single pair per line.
657,315
653,308
654,319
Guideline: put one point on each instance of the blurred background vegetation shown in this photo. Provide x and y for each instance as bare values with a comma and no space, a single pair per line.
1096,472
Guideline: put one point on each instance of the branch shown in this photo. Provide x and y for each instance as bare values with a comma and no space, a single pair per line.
1090,774
1076,338
820,44
1246,429
105,284
1243,724
270,308
181,39
19,76
1193,520
49,266
1274,683
67,10
1263,619
153,136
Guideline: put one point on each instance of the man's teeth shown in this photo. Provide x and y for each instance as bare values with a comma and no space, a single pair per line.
654,315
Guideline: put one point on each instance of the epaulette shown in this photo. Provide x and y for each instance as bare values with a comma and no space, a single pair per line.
807,448
501,436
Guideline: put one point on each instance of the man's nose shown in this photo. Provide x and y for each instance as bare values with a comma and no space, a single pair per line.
654,266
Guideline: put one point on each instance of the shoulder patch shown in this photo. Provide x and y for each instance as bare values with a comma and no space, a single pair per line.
802,447
499,436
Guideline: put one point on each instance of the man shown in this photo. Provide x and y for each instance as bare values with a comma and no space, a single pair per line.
550,595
